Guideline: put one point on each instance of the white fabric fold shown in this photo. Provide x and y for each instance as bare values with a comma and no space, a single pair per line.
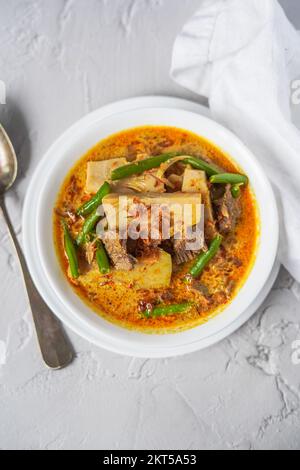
243,56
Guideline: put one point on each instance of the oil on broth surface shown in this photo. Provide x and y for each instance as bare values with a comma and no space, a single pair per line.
120,302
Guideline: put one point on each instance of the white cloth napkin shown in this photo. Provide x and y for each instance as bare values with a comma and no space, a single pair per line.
243,55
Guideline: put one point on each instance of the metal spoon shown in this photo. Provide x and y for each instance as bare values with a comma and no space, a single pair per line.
56,349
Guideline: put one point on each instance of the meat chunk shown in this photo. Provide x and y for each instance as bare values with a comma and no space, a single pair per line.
182,254
146,247
228,210
196,181
116,250
168,246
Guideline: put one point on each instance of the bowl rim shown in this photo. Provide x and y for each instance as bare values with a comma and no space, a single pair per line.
62,306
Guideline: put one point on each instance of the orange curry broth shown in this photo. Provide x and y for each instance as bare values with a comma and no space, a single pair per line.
221,279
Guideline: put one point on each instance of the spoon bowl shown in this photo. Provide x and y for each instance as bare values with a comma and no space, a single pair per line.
8,162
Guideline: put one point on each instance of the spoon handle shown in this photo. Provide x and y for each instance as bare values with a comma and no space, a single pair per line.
56,348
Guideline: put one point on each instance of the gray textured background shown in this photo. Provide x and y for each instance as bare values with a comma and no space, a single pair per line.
60,60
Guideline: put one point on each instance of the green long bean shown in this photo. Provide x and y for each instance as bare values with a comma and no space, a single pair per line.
205,258
70,251
89,206
236,191
167,310
87,228
102,259
200,164
154,162
139,167
229,178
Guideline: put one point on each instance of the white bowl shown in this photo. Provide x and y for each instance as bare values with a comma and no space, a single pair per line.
43,263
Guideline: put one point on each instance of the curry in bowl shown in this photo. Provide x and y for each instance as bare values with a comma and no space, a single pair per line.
146,274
